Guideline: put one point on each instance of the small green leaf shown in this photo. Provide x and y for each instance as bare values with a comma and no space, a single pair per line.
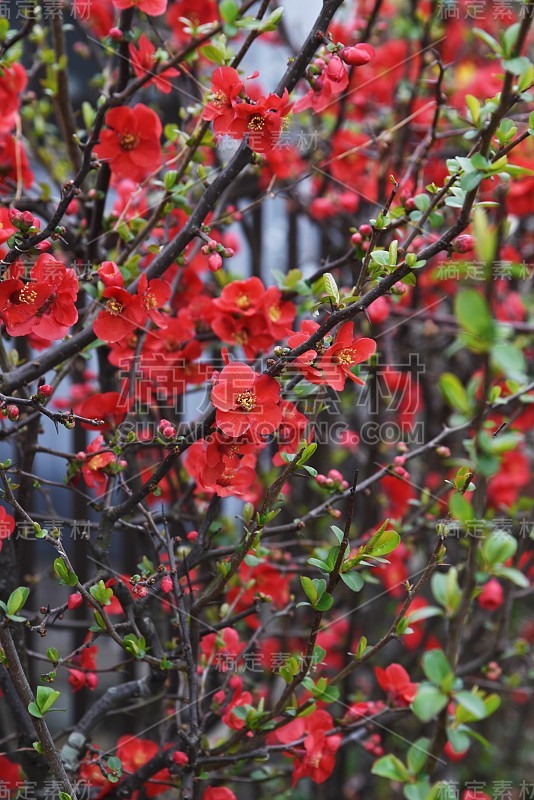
417,755
436,666
454,393
428,702
33,709
391,767
353,580
46,697
472,703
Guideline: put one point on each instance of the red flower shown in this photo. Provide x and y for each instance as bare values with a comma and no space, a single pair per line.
218,793
93,467
279,314
343,354
221,465
216,647
7,525
20,302
333,80
144,63
514,474
396,682
107,406
317,761
239,698
12,775
13,80
242,297
134,754
250,333
154,295
492,595
97,15
293,429
110,274
58,312
131,146
264,579
6,228
151,7
14,163
123,313
226,85
261,122
246,401
198,13
79,679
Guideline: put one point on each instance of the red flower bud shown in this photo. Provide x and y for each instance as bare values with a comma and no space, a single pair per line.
358,55
464,243
192,536
215,262
166,584
12,412
491,596
46,390
74,600
180,758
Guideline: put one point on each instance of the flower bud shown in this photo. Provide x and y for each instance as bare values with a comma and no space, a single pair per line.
12,412
464,243
214,262
357,55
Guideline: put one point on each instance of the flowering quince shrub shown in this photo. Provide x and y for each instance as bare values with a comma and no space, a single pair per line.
266,400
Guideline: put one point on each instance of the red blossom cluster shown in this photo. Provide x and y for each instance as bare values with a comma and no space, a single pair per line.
233,114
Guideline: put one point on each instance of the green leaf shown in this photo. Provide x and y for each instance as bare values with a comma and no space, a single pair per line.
471,180
353,580
382,543
510,361
391,767
309,589
421,614
499,547
459,739
417,791
513,575
380,257
46,697
454,393
472,703
417,755
428,702
436,666
476,319
213,54
461,508
17,599
489,40
229,10
326,602
330,287
33,709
